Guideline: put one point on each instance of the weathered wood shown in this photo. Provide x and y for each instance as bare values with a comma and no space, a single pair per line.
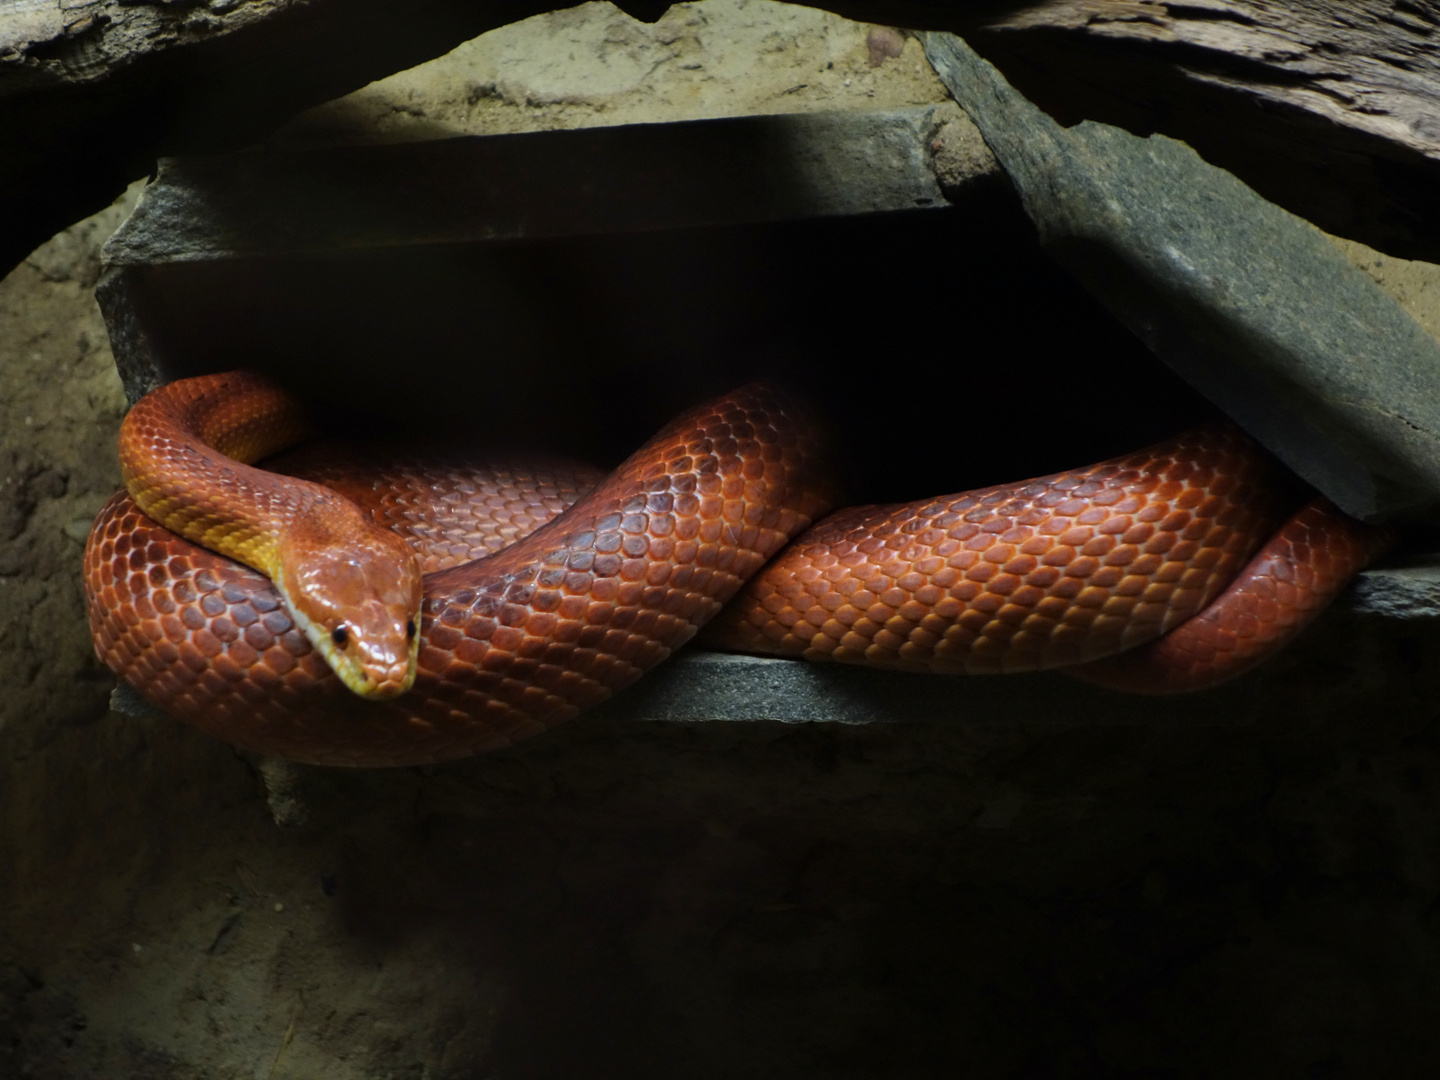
1368,65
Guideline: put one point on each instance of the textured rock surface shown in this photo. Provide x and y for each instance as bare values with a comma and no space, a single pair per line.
57,422
1249,303
1415,285
92,91
774,900
696,61
1406,589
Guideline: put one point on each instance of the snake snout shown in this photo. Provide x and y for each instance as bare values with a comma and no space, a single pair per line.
382,640
385,659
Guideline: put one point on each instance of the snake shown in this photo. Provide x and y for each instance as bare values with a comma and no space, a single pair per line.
352,587
468,605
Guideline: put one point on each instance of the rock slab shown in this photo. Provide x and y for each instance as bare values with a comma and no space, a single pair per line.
1249,303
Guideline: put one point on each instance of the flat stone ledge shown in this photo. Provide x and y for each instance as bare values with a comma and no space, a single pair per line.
340,200
701,686
587,181
1407,589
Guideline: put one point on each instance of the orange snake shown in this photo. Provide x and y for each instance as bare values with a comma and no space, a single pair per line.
1089,567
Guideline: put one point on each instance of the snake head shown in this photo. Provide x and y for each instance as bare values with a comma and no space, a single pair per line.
359,605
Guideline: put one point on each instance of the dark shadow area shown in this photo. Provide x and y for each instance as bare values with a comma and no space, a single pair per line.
945,349
766,900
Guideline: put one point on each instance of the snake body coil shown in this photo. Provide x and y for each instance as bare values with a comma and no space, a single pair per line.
1070,569
511,644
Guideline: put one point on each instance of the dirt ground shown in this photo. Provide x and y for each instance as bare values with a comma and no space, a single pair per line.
713,900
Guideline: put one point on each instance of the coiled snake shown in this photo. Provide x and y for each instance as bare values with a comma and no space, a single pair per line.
586,582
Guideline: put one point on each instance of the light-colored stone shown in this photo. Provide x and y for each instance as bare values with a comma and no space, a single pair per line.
60,407
594,65
1415,285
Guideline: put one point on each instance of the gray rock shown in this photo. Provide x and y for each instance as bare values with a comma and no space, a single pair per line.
545,184
126,701
137,354
540,184
1247,302
1406,590
701,686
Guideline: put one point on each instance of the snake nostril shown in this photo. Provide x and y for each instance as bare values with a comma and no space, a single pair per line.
409,629
341,636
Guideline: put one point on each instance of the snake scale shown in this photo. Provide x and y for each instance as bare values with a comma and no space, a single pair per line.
547,587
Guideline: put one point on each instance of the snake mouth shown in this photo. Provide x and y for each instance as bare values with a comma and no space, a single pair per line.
374,682
398,679
380,679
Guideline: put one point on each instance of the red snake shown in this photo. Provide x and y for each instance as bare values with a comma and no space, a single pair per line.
603,578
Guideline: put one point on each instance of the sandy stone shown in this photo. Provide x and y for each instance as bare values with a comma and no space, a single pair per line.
593,65
58,416
1414,284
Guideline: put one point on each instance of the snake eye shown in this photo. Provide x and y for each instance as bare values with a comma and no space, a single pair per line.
409,629
340,636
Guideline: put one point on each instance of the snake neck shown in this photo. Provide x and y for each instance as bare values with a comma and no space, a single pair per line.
185,457
352,587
